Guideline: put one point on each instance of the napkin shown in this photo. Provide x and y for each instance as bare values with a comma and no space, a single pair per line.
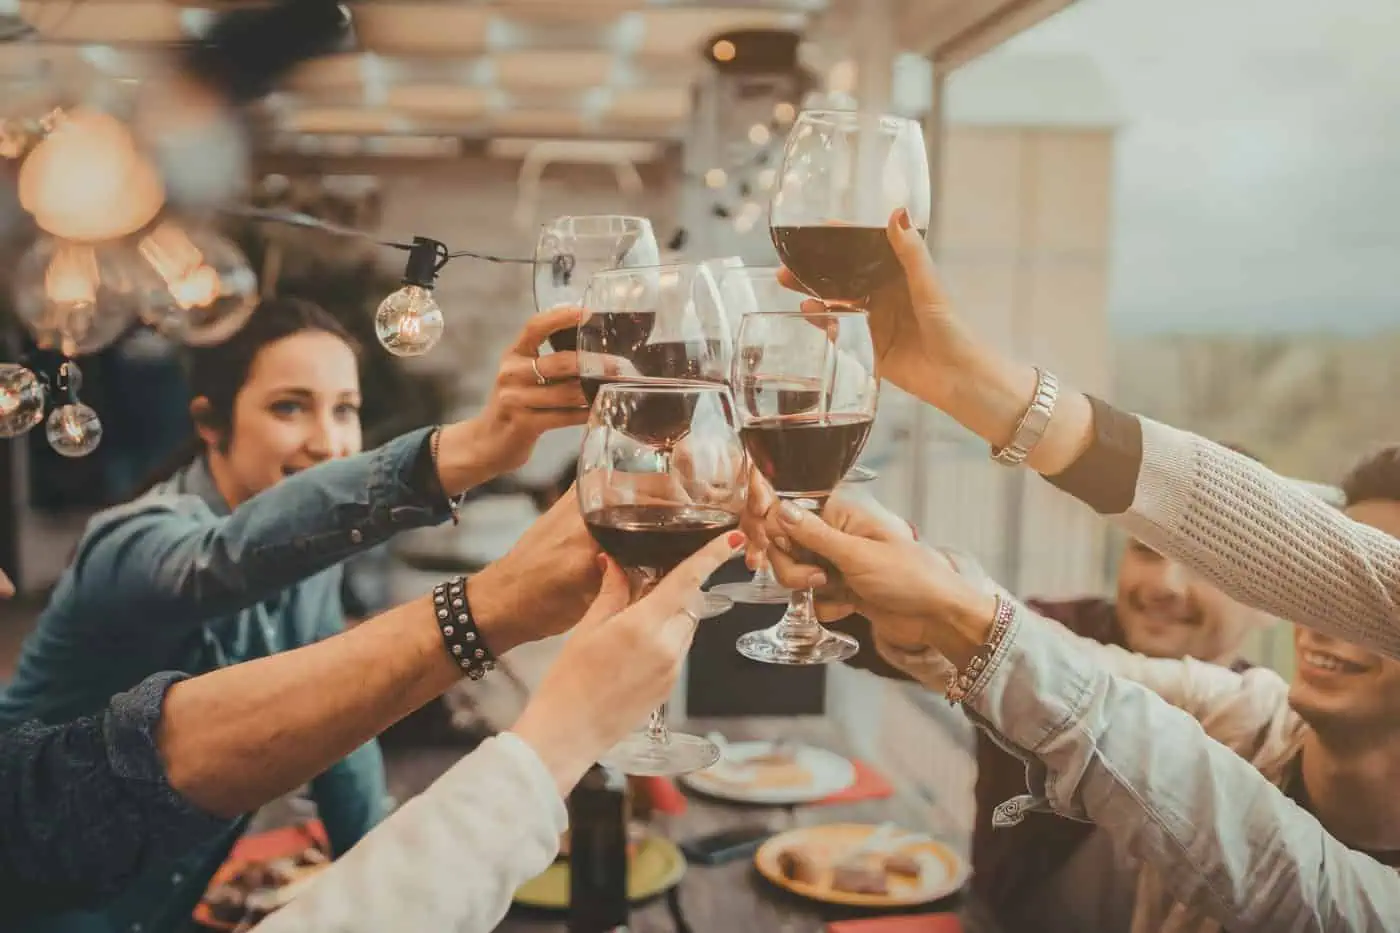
917,923
869,785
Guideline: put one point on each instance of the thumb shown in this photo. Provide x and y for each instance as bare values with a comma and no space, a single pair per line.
612,595
912,253
815,535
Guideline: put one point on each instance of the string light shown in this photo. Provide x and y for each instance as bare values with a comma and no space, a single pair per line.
409,322
21,400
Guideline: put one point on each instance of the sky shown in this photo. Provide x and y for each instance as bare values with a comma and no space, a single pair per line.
1258,160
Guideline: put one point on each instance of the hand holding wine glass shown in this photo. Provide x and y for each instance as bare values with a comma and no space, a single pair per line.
808,392
662,473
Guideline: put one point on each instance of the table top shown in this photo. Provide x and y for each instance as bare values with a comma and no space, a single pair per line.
734,898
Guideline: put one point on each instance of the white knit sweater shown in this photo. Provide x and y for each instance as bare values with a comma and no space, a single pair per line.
1265,541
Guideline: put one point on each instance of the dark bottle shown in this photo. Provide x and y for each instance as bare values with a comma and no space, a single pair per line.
598,814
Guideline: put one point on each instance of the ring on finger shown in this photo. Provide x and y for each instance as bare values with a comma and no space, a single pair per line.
535,365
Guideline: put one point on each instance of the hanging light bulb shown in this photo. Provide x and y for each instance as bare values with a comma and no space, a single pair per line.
87,181
73,430
209,288
77,298
409,322
21,400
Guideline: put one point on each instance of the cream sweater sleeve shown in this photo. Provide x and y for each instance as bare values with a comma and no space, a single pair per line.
449,860
1265,541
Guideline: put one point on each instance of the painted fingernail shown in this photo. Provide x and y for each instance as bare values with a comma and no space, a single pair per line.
602,561
736,539
790,513
782,543
901,217
816,580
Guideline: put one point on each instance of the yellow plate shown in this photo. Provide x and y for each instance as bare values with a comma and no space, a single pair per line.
943,872
656,866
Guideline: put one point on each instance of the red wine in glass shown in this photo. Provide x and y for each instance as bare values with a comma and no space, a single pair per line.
836,262
805,456
656,538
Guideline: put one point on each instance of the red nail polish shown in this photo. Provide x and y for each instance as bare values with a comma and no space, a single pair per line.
735,538
602,562
902,218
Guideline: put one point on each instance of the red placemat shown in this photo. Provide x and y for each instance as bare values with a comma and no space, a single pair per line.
870,785
279,843
918,923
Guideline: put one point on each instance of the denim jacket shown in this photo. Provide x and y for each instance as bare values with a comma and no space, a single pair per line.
174,581
1187,788
85,806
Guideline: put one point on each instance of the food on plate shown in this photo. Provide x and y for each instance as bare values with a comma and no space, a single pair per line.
798,865
861,874
903,865
257,889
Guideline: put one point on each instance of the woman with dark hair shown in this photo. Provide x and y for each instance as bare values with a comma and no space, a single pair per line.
236,554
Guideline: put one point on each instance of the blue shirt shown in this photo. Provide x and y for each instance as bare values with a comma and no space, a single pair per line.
86,806
175,581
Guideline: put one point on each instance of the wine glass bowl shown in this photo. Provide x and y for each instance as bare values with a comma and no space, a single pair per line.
807,390
843,174
571,249
650,502
654,323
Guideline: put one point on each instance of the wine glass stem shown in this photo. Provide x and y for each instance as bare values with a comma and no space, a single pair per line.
799,624
763,577
640,583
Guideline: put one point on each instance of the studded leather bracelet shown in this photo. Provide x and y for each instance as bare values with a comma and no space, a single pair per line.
459,632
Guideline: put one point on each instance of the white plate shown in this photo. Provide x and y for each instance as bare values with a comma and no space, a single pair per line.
830,774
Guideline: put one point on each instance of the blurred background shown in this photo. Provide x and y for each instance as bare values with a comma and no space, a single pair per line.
1191,207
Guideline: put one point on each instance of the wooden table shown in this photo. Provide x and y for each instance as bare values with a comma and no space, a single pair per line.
734,898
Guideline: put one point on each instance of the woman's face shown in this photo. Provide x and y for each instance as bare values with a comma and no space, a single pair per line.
299,406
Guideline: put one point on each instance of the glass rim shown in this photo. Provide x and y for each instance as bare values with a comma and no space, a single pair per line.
835,113
837,313
670,386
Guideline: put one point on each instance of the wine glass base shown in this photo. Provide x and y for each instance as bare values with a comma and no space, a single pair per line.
715,605
754,594
860,474
638,754
768,646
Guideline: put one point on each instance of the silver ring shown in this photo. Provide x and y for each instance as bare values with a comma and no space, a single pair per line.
535,365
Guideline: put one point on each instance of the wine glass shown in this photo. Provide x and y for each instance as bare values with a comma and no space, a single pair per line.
661,474
570,249
807,391
843,174
655,324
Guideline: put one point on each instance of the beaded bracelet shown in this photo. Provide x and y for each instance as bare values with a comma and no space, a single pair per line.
960,682
459,631
454,503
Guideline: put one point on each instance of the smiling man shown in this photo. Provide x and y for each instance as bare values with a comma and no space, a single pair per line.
1330,741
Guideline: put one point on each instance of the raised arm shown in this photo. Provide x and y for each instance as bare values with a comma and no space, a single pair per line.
1249,531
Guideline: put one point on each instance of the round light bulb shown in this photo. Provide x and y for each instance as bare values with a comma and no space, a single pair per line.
87,181
209,289
409,322
74,430
77,298
21,400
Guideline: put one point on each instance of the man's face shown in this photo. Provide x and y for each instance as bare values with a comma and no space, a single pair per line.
1340,688
1168,612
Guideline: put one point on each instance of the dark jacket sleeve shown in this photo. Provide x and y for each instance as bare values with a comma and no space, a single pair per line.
1105,476
85,807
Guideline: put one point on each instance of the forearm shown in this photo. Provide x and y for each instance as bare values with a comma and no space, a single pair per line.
465,457
1223,839
991,392
449,859
238,737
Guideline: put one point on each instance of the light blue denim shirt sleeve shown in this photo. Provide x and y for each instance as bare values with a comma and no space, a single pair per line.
1223,838
192,567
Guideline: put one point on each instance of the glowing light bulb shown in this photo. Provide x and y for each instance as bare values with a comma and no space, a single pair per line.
716,178
409,322
77,298
209,292
74,430
21,400
87,181
784,112
759,135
